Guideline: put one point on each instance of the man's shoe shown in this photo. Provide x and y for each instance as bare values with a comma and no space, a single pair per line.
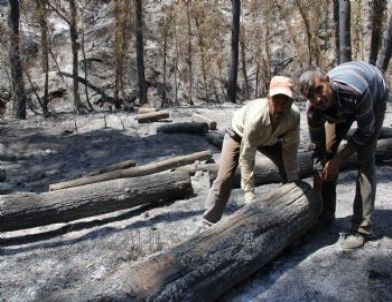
353,241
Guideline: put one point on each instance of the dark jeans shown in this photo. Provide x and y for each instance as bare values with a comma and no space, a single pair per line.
365,193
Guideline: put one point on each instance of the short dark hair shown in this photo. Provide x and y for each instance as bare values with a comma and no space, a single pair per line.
306,80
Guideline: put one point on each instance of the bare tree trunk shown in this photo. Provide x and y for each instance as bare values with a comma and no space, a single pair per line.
118,50
190,71
90,106
304,14
165,37
176,66
45,51
233,69
386,52
336,23
243,63
202,57
140,53
345,30
376,21
75,46
17,84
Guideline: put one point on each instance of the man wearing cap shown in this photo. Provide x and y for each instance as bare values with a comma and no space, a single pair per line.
351,92
269,125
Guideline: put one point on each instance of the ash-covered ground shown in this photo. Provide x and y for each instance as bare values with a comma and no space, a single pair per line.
39,261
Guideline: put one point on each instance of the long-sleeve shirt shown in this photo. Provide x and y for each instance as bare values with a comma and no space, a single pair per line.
357,87
252,123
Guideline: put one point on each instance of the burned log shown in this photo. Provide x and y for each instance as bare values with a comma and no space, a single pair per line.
216,137
117,166
152,116
150,168
20,211
386,132
186,128
198,118
143,110
266,172
205,266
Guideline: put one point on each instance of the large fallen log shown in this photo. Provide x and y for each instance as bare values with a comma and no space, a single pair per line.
216,137
21,211
205,266
143,110
113,167
266,172
150,168
152,116
187,128
203,119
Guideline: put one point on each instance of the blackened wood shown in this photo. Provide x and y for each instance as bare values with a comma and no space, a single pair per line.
206,266
186,127
29,210
154,167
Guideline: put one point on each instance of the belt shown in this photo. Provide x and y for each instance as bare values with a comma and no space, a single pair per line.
236,137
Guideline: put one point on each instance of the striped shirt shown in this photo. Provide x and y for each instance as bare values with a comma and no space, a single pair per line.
358,86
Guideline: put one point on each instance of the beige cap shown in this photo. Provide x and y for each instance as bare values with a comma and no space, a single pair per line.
281,85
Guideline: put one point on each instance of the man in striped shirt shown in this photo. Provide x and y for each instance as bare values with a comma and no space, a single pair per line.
351,92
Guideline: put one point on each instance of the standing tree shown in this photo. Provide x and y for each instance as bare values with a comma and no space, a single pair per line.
337,32
18,91
344,31
72,23
189,59
235,31
75,47
121,15
43,25
376,21
386,52
140,53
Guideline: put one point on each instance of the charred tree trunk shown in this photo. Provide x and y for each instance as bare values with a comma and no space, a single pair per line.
189,60
17,84
233,70
377,17
152,116
31,210
202,119
140,52
205,266
336,24
150,168
344,31
386,52
45,51
75,61
117,166
186,127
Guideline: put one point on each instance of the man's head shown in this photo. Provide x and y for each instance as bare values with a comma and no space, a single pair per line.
280,97
316,87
